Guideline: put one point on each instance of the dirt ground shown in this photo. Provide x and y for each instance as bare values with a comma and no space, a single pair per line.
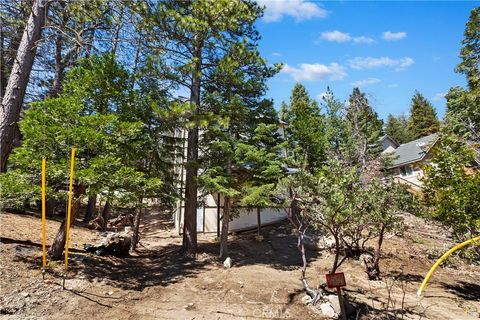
157,283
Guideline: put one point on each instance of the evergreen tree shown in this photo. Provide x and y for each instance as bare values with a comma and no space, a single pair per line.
365,127
113,144
459,210
233,108
463,112
263,159
423,118
470,52
305,129
397,128
197,39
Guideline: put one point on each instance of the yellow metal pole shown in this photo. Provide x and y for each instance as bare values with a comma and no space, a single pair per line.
44,240
439,261
69,208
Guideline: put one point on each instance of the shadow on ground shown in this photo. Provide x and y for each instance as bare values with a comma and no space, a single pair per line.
465,290
164,265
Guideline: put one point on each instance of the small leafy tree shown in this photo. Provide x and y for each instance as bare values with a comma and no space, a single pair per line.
452,191
386,200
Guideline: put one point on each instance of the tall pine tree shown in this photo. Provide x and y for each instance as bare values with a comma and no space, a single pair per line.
365,127
463,112
305,129
397,128
197,38
423,117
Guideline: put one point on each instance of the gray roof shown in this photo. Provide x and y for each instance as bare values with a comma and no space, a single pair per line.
413,151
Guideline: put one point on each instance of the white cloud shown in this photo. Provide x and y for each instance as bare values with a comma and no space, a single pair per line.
335,36
276,54
360,63
439,96
316,71
363,39
338,36
298,9
365,82
393,36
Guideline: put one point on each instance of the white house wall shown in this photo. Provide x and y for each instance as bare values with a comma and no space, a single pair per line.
207,212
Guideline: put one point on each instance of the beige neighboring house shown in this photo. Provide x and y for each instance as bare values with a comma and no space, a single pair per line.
408,158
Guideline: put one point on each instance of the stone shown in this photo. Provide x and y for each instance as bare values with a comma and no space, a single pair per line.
227,263
365,257
328,311
333,300
259,238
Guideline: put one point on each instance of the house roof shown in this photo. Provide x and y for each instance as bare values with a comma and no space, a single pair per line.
385,137
413,151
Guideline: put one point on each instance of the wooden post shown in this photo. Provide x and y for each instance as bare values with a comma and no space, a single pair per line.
342,306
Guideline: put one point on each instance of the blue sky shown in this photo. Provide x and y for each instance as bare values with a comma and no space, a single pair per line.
388,49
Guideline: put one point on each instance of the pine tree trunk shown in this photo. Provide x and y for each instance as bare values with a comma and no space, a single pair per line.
3,71
50,207
56,249
259,220
226,217
136,227
117,33
17,83
106,212
189,243
91,206
59,68
224,235
7,54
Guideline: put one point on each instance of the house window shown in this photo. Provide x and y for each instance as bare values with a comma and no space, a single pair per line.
406,171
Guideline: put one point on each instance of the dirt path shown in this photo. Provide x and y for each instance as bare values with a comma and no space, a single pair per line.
158,283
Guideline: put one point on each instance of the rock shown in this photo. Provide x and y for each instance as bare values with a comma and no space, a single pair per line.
474,314
227,263
110,293
328,311
259,238
333,300
365,257
188,306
